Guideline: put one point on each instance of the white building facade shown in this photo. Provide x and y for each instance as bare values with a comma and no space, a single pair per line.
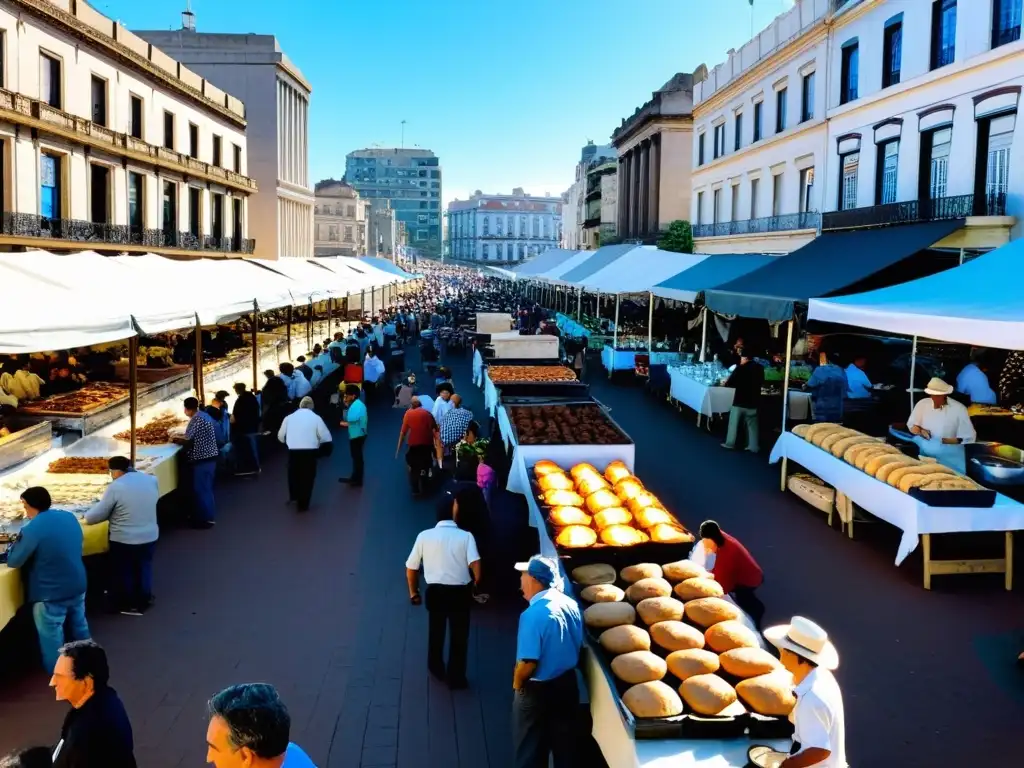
109,144
503,227
340,221
255,69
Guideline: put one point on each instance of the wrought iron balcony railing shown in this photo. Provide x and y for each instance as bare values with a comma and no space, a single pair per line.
916,211
783,223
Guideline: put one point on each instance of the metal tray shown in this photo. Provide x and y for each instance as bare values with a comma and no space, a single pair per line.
980,499
540,401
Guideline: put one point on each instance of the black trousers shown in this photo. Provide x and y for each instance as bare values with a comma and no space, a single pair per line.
748,601
355,449
418,457
132,584
448,610
302,476
544,722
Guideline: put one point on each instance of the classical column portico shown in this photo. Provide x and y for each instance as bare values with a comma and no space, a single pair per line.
645,187
653,222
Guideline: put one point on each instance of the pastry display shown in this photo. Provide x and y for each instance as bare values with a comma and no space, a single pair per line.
157,431
727,635
603,499
625,639
78,465
573,424
623,536
93,395
603,593
707,694
533,374
692,662
611,516
576,537
652,699
638,667
556,481
676,636
563,516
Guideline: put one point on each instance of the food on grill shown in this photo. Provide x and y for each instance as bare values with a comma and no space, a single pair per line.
749,662
707,694
633,573
616,471
562,499
769,694
649,517
79,465
623,536
653,699
683,570
655,609
726,635
676,635
625,639
708,611
693,589
545,467
666,533
608,615
603,499
692,661
579,424
156,432
556,482
612,516
602,593
646,588
638,667
562,516
505,374
595,573
576,537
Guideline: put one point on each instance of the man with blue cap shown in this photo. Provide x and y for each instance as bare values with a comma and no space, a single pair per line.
547,653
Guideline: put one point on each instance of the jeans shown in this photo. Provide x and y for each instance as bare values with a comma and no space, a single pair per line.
749,416
544,722
448,612
133,574
50,618
302,476
355,449
203,475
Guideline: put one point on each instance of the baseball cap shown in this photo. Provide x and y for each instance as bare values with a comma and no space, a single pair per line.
543,569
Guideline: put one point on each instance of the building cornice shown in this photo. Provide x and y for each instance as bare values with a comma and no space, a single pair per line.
752,149
69,23
658,120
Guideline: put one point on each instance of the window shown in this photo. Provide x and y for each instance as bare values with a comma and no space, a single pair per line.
777,194
758,110
194,209
719,140
806,185
216,151
193,140
700,205
997,159
754,187
700,149
734,203
50,186
938,161
99,193
99,100
892,52
943,33
807,98
1005,21
716,201
170,218
135,204
236,224
49,81
780,110
168,130
885,177
737,129
238,158
135,116
3,49
348,233
218,217
848,187
849,72
350,211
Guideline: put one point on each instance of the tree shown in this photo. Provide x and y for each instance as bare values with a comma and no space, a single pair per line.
677,238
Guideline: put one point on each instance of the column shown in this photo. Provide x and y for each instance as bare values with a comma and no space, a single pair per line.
624,192
655,207
645,180
620,191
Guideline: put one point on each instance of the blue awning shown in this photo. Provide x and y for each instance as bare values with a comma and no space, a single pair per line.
602,257
387,265
543,262
714,271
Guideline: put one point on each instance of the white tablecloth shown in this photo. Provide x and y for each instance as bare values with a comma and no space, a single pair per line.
665,358
490,394
478,367
701,398
891,504
618,360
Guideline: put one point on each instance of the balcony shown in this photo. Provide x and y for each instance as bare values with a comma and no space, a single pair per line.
784,223
28,228
916,211
592,222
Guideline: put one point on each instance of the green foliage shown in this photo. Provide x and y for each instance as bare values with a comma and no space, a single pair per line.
677,238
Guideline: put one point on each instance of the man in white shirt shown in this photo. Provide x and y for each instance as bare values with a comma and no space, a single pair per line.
303,386
941,426
373,371
973,382
443,403
451,564
858,385
304,432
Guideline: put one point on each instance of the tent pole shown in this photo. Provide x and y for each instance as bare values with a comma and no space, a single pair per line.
650,328
913,366
785,397
199,362
330,317
579,304
255,349
615,333
704,335
288,331
309,327
133,391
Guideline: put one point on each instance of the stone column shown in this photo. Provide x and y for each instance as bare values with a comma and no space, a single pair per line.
631,156
653,219
620,211
645,184
634,194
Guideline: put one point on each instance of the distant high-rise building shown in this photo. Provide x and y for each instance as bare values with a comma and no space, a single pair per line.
503,227
411,180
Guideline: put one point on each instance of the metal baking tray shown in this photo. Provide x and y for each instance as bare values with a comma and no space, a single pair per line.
540,401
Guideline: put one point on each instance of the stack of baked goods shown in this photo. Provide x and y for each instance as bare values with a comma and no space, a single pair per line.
589,508
677,646
882,461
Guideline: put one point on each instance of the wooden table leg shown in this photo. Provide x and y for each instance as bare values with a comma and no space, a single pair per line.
1009,560
926,544
782,482
849,517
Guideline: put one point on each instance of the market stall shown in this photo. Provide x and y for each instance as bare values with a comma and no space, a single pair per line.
535,381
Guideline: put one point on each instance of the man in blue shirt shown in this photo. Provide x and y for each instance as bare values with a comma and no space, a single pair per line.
250,726
828,387
49,550
857,382
356,424
202,452
547,652
973,381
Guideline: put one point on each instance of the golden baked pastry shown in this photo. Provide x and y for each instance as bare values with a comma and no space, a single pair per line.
800,430
638,667
693,589
608,615
670,533
616,471
875,463
748,662
939,482
576,537
886,470
562,499
623,536
545,467
563,516
682,570
648,517
839,447
769,694
854,451
676,635
726,635
918,469
556,481
692,661
582,469
633,573
816,437
503,374
628,488
707,694
653,699
595,573
612,516
602,499
862,457
625,639
642,501
646,588
834,437
815,429
602,593
655,609
589,484
708,611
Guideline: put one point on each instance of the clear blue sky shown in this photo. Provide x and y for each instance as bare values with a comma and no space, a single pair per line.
505,92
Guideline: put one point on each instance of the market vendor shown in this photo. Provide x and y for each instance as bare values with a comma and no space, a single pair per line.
733,567
858,385
973,381
828,387
941,426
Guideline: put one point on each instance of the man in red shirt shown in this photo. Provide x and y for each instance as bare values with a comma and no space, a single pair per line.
735,569
418,430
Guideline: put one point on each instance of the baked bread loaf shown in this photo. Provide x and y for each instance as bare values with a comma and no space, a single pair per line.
616,471
557,498
589,484
749,662
676,636
646,588
834,437
563,516
602,499
694,589
628,488
623,536
840,447
603,593
545,467
862,457
707,694
800,430
581,469
612,516
726,635
638,667
885,471
692,661
655,609
873,464
653,699
595,573
852,452
625,638
819,429
668,533
770,694
681,570
608,615
556,481
576,537
643,500
648,517
948,483
708,611
633,573
919,469
817,437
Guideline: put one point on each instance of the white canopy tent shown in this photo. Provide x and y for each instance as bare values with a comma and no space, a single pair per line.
312,282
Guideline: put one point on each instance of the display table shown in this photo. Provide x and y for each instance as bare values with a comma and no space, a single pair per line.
617,359
570,327
911,516
705,400
490,394
478,368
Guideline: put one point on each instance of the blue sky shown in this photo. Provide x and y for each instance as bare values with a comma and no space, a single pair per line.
506,93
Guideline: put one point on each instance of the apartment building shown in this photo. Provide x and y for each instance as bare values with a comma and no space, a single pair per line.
340,220
503,227
107,143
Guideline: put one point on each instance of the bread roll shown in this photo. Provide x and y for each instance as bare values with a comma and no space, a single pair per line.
646,588
576,537
596,573
655,609
638,667
668,533
815,429
648,517
546,467
707,694
726,635
556,481
854,451
840,447
633,573
694,589
602,499
642,501
691,662
616,471
681,570
874,452
748,662
874,465
629,488
563,516
921,469
676,636
562,499
623,536
603,593
800,430
608,615
625,639
833,438
589,484
653,699
582,469
817,437
770,694
948,483
708,611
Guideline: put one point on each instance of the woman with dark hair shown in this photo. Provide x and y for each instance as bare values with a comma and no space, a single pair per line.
471,515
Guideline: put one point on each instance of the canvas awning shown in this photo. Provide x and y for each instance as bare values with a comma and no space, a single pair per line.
639,269
825,266
596,261
554,275
543,262
310,281
714,271
976,303
386,265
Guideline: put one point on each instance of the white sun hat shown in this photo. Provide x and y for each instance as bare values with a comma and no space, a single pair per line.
938,387
805,638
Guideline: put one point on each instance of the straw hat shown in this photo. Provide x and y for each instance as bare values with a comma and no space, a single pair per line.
805,638
938,387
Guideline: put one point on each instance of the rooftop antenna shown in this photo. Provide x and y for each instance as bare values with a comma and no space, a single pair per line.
188,19
403,134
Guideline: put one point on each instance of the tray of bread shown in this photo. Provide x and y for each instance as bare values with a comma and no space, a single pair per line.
684,659
925,479
530,374
565,424
90,397
158,431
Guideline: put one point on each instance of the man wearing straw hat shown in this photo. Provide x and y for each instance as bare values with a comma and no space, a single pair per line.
941,426
819,737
